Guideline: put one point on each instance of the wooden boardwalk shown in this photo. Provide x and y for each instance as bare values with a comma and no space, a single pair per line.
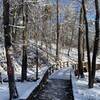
56,88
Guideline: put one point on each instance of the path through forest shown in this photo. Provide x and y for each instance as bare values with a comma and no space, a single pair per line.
57,88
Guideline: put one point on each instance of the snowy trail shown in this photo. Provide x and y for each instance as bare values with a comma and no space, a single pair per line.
57,88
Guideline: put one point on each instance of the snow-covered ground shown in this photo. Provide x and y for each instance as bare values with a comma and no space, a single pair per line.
24,89
81,90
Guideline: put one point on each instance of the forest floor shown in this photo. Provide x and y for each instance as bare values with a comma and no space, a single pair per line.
81,90
24,89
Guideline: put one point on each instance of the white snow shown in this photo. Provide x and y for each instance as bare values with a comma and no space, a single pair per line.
63,73
4,91
81,90
24,89
27,88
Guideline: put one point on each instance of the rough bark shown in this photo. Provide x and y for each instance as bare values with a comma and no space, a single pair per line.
80,45
24,56
10,70
37,63
57,41
96,41
87,42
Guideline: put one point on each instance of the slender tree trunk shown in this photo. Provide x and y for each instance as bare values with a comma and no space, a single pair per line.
47,50
37,62
71,41
96,41
80,45
87,43
10,70
24,57
57,41
83,47
37,53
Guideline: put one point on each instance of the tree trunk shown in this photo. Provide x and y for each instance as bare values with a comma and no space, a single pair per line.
71,41
37,62
57,41
87,43
83,47
96,41
24,57
80,45
10,70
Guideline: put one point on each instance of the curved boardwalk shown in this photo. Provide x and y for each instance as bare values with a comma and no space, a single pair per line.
57,88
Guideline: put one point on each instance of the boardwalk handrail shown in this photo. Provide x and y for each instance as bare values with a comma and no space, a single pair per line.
48,72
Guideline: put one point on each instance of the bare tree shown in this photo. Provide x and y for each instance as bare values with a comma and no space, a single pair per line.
87,42
96,41
24,56
80,45
57,41
10,70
